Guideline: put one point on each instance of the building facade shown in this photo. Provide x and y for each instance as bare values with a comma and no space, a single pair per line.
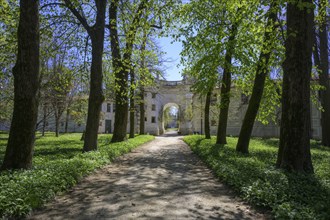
190,113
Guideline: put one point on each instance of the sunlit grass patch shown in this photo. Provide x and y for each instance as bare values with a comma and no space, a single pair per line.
289,196
58,164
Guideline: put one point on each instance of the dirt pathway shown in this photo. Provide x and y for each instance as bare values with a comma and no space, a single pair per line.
160,180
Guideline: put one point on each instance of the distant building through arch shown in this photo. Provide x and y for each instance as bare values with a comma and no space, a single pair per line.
158,97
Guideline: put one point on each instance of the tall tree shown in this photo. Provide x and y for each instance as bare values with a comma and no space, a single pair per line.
132,105
122,65
141,85
96,97
26,93
324,75
259,82
60,86
211,31
294,150
207,115
226,85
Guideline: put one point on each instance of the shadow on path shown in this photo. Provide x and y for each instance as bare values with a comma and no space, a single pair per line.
161,180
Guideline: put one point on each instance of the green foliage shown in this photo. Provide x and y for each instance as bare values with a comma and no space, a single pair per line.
206,30
78,109
9,11
58,165
289,196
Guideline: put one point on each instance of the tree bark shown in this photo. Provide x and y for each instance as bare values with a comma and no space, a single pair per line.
67,120
119,133
96,97
324,81
44,121
142,111
294,150
207,115
259,84
20,145
57,124
132,106
225,87
122,66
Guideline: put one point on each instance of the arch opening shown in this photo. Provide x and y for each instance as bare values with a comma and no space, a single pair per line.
170,118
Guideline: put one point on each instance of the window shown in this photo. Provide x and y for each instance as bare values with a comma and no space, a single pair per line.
153,119
153,107
113,107
153,95
100,124
145,119
108,107
62,124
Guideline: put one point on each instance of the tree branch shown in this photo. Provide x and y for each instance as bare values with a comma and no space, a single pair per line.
80,17
52,4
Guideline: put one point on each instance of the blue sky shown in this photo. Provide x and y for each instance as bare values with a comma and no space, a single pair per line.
172,50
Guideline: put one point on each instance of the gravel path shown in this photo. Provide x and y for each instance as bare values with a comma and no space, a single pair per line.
162,179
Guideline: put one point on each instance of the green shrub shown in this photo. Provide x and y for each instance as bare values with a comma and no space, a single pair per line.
288,195
58,165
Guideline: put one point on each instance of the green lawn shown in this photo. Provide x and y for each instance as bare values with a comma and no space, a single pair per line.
58,164
254,177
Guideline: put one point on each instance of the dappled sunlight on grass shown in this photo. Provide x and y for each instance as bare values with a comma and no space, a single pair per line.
58,164
290,196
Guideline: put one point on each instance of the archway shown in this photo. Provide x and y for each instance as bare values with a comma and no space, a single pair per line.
170,121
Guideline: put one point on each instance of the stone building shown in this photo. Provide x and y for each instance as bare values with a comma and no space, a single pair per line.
157,98
190,113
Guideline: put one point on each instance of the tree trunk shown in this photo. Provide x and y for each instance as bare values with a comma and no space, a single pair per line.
119,132
207,115
120,125
259,84
96,96
294,150
132,107
20,145
225,87
82,136
121,67
142,111
67,120
57,125
324,81
44,121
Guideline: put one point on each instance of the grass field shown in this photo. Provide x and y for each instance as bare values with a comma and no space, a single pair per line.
254,177
58,164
